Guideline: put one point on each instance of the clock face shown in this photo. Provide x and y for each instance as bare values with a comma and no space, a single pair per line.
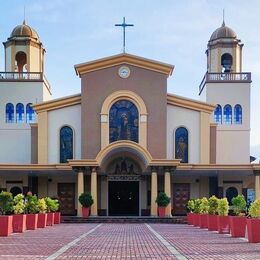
124,72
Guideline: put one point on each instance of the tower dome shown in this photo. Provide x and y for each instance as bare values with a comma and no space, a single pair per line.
24,30
223,32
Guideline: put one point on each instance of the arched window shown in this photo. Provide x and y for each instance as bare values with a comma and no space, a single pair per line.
21,61
30,114
19,113
226,62
228,114
9,113
123,121
218,114
238,114
181,144
66,144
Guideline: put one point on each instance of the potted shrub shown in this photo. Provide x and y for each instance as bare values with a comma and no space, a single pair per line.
190,209
212,216
162,201
196,219
32,209
238,222
6,207
223,220
50,208
203,210
253,223
86,201
19,218
56,212
42,216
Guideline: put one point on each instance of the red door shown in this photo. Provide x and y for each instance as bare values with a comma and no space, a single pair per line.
181,195
66,193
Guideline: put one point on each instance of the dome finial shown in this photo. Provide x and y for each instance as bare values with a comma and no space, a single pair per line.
223,23
24,23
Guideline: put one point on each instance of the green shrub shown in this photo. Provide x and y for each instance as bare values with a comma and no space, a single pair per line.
42,205
52,205
204,206
239,204
86,200
6,202
31,205
197,205
254,209
223,207
213,205
163,200
190,205
19,205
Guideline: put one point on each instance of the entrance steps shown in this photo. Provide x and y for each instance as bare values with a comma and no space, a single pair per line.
172,220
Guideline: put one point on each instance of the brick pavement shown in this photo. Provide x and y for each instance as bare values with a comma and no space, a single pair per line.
125,241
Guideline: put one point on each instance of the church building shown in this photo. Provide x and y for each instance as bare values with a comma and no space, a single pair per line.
124,138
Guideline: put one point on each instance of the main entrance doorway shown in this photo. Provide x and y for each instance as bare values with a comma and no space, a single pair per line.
123,198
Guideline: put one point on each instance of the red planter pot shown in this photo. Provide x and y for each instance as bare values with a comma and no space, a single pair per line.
6,226
161,211
253,230
190,218
203,220
57,218
50,219
196,220
85,212
212,222
42,220
31,221
223,224
237,226
19,223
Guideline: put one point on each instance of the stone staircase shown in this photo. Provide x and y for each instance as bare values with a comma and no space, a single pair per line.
172,220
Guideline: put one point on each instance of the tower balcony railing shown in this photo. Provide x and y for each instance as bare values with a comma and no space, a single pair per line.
21,76
243,77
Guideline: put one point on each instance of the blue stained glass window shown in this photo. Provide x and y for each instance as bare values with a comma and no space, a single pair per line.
66,144
238,114
181,144
19,113
30,114
123,121
9,113
228,114
218,114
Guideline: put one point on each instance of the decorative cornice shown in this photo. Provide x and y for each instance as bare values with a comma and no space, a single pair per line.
190,104
58,103
206,167
34,167
124,58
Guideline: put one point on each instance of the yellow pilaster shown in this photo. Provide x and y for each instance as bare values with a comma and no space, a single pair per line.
154,192
43,137
204,137
167,190
94,191
80,190
257,186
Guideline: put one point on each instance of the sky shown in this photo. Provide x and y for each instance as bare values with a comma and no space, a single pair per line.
171,31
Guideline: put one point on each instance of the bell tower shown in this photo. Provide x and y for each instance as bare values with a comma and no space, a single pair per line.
228,87
24,51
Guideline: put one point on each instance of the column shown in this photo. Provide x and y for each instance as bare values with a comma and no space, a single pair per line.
94,191
80,190
154,192
167,190
257,186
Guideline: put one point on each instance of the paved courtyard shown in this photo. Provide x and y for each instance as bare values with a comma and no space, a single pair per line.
125,241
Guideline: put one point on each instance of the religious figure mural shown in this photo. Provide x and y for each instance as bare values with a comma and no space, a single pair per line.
123,166
123,121
181,144
66,144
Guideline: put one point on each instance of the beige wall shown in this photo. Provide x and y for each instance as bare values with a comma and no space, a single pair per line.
149,85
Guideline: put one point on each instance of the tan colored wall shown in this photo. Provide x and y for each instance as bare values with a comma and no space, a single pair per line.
34,144
150,86
213,143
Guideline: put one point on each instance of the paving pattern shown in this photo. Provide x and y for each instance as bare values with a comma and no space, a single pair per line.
125,241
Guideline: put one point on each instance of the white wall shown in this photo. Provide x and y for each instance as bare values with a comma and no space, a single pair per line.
70,116
176,117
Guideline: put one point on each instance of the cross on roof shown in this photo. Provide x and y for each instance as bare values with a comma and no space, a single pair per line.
124,25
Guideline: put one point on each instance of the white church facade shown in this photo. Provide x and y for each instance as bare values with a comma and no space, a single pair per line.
124,138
